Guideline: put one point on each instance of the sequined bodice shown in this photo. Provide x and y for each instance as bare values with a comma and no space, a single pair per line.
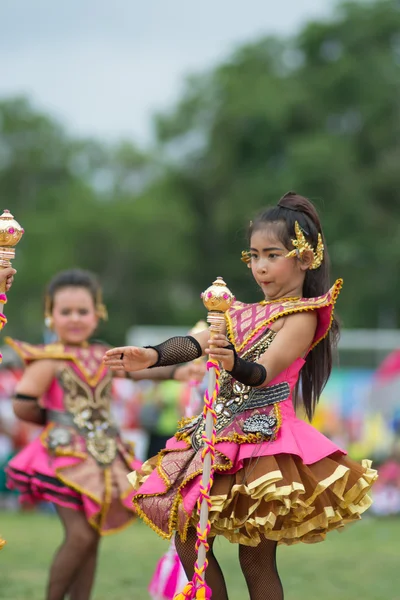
84,402
236,399
234,395
88,411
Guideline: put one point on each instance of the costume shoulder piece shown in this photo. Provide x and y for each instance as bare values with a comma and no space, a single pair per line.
88,359
247,322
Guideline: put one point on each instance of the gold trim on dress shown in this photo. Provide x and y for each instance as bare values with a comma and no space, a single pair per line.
247,529
173,517
29,352
328,299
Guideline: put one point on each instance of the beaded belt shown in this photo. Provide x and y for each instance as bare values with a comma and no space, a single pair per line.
99,435
228,410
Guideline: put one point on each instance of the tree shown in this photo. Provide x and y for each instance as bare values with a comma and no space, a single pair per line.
317,113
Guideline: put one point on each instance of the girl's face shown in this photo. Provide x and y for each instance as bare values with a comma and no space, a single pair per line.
277,276
74,315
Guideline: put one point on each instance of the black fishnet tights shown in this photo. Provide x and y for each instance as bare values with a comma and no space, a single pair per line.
188,555
74,564
257,563
259,568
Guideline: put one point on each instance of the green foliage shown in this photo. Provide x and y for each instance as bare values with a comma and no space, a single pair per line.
317,113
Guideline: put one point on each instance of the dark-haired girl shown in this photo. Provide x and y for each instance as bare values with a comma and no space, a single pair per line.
79,462
277,479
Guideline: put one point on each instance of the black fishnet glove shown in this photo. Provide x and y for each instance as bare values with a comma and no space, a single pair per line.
176,350
248,373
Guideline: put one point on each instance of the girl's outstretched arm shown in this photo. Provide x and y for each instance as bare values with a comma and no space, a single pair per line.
174,351
186,372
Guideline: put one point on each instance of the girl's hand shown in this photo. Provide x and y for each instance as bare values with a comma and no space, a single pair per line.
7,275
130,358
217,350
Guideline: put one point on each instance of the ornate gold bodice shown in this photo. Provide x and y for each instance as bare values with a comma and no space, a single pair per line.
233,394
89,410
235,398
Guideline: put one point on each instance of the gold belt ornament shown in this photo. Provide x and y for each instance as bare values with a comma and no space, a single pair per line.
100,435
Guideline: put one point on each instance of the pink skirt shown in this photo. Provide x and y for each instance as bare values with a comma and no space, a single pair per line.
69,476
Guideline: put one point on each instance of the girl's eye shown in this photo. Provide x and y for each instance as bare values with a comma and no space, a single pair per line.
83,311
272,255
252,255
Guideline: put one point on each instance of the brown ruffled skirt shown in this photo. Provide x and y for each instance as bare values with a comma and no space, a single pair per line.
276,496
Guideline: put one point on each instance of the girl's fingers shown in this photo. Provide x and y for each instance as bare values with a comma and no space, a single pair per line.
110,359
222,349
219,356
115,351
218,343
114,363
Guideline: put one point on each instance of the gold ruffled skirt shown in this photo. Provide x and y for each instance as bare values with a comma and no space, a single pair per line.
276,496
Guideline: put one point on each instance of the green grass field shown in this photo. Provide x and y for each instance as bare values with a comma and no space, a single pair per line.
362,563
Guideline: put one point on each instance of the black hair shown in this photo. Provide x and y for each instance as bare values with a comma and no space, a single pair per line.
291,208
73,278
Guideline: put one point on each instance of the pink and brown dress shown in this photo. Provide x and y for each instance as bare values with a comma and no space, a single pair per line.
275,475
79,460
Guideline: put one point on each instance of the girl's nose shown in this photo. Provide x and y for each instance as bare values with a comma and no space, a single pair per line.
261,268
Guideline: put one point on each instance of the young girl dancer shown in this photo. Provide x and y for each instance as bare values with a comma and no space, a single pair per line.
277,479
79,461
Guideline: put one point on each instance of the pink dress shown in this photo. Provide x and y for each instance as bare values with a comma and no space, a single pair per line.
275,475
79,460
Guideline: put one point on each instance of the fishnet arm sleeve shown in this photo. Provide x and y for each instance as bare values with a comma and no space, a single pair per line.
176,350
247,372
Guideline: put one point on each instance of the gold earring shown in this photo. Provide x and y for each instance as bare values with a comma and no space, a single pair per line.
101,309
101,312
48,321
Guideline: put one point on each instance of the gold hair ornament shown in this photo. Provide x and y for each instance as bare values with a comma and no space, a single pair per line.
48,319
101,309
246,254
301,245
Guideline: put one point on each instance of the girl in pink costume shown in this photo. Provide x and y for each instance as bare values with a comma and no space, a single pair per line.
79,462
277,479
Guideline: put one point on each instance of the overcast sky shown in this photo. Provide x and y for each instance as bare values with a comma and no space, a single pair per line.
104,66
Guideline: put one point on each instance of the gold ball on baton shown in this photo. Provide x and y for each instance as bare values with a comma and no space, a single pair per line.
217,299
10,234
